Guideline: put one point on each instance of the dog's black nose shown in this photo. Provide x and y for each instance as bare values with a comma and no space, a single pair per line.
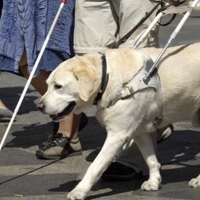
40,106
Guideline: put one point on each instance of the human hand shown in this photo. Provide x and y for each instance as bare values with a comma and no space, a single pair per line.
175,2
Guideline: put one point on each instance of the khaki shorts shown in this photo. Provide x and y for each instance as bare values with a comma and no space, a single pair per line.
99,24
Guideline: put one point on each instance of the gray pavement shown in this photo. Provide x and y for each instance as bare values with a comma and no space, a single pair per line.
22,174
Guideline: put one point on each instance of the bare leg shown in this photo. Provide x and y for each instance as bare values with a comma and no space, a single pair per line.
70,126
2,105
4,111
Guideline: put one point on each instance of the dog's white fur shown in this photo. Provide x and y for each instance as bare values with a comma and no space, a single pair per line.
78,79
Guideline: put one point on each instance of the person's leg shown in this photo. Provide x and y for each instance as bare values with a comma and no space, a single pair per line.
67,129
95,26
130,13
2,105
4,111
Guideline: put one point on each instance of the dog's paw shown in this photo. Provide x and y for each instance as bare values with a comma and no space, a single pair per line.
195,182
150,185
76,194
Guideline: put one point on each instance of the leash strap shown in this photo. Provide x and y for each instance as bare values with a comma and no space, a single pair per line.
125,37
174,14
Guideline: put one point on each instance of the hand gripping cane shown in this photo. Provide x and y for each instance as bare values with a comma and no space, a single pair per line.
32,72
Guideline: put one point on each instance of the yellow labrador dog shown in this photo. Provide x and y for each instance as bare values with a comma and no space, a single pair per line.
127,106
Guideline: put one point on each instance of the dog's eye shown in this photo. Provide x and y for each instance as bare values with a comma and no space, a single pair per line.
56,86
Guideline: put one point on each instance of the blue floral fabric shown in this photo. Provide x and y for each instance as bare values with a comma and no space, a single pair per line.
25,24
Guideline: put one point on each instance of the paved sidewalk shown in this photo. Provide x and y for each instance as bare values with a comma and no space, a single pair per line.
21,173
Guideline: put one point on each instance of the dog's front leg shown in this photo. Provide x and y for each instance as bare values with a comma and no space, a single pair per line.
145,145
107,154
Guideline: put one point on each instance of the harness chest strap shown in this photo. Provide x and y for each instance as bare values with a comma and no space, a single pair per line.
136,84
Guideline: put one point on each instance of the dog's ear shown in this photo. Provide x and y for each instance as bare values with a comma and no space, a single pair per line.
87,82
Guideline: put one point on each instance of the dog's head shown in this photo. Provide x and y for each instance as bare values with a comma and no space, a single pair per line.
72,87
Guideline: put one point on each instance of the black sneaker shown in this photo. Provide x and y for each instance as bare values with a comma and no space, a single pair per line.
118,172
60,147
164,133
83,123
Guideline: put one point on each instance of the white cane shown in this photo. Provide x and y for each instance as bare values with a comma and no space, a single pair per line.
32,72
172,37
146,32
170,10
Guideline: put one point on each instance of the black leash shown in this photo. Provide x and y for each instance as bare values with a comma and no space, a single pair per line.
125,37
173,16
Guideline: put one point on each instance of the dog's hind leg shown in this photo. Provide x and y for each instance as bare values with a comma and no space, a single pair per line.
145,145
195,182
111,147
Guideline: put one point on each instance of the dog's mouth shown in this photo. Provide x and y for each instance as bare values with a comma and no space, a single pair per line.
64,113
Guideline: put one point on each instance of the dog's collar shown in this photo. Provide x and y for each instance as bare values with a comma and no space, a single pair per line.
104,80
